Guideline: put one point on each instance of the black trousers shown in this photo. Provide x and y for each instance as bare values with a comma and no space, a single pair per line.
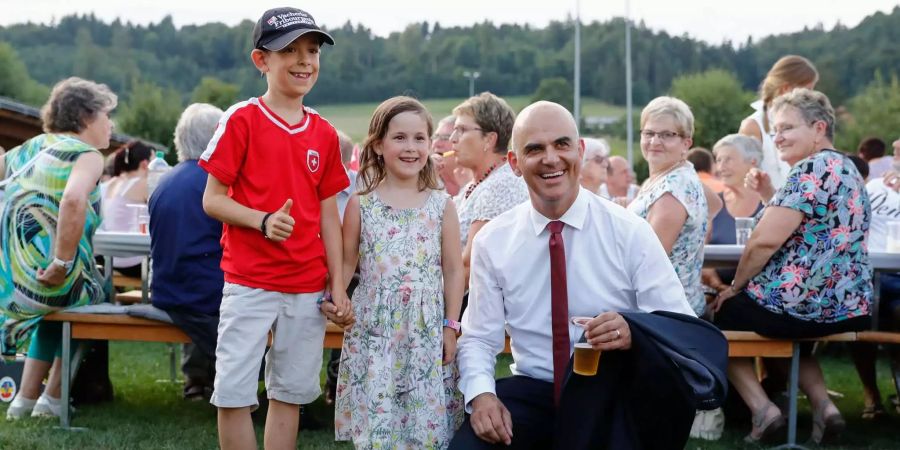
530,403
742,313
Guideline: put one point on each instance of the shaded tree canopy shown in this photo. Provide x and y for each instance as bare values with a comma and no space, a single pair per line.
427,60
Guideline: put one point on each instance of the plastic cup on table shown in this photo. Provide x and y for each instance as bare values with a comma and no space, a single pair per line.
743,227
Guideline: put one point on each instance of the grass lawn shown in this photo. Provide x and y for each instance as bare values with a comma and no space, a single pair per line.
354,118
151,415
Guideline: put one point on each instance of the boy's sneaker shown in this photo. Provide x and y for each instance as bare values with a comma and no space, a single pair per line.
46,406
20,407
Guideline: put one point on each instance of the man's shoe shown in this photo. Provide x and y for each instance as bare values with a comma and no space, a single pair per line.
46,406
20,407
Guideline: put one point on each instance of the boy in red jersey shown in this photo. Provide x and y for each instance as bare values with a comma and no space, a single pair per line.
274,169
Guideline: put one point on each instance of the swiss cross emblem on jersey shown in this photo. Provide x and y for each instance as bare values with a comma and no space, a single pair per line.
312,160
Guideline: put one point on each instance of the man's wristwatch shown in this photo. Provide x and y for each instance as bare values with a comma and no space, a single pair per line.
454,325
64,264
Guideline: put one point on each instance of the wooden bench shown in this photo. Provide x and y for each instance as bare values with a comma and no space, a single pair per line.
124,281
750,344
126,328
120,327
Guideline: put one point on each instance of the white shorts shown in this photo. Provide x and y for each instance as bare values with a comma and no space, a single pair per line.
293,362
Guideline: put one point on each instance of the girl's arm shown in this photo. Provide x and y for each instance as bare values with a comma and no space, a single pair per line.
749,127
351,239
454,276
451,261
330,226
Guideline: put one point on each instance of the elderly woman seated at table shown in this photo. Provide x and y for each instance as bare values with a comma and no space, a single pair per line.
805,270
49,217
672,199
735,155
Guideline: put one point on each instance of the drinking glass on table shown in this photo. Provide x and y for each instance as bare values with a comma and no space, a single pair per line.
142,214
893,237
743,227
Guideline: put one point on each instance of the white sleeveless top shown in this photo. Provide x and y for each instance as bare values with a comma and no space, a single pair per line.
118,216
771,164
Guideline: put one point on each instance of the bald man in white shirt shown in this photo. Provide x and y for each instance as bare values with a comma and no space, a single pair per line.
613,262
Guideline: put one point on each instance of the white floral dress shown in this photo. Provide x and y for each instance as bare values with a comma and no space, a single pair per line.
496,194
687,253
392,390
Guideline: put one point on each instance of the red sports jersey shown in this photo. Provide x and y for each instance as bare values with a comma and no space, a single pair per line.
266,161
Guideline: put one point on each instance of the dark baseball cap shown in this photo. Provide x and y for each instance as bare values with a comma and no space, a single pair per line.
278,27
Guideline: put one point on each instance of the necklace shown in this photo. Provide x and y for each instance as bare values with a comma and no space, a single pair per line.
475,184
654,180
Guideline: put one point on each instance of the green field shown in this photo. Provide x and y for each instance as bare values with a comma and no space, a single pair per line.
151,415
353,118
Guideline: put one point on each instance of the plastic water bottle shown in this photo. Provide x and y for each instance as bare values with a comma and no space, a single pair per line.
156,169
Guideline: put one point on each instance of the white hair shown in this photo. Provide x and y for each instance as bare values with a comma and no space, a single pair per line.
749,147
195,128
595,147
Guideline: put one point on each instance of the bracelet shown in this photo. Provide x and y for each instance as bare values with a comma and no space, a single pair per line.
262,226
454,325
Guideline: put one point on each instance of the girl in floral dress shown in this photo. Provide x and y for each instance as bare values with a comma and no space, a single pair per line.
397,380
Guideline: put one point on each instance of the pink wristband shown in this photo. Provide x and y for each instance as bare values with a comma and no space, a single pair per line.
454,325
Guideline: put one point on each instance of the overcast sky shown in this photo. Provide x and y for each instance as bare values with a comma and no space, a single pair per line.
711,20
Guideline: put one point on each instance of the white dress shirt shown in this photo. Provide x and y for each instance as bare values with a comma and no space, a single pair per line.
614,262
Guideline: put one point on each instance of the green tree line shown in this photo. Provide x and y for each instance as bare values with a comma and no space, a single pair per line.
158,68
427,59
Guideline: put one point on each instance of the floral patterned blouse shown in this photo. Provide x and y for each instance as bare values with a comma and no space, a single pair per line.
822,272
496,194
687,253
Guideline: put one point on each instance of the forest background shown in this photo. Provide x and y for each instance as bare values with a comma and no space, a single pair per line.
158,69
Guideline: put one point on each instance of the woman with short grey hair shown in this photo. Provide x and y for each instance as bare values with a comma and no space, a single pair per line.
805,270
48,219
735,155
195,128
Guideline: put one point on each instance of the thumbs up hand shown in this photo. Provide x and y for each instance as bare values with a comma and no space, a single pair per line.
280,224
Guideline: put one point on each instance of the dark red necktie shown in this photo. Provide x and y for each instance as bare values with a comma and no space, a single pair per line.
559,307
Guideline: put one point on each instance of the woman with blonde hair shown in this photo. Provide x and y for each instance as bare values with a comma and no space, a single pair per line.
672,199
789,72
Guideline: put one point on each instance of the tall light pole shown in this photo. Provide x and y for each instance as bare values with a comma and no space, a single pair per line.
577,93
472,76
628,106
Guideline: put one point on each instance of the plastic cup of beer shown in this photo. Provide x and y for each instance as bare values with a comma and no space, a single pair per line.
586,359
